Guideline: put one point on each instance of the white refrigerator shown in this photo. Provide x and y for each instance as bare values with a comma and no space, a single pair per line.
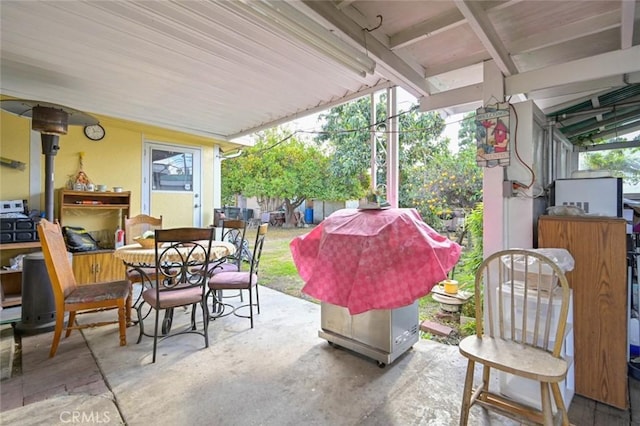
596,196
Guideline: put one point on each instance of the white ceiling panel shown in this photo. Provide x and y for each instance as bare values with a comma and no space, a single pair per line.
221,69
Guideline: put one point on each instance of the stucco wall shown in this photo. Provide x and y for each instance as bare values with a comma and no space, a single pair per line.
114,161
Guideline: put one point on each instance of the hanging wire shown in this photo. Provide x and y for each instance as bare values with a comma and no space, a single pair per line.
361,129
615,121
368,128
376,27
366,30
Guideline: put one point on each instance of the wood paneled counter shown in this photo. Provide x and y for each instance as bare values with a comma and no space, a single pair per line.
599,283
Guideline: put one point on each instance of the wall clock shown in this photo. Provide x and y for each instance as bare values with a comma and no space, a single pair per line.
95,132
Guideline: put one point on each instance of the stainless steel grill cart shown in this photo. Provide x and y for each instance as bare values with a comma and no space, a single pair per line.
380,334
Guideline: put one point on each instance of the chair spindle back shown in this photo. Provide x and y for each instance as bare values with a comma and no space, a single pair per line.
526,298
56,259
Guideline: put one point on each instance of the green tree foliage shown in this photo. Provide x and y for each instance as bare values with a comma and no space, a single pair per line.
449,184
347,137
347,133
473,256
432,178
279,171
467,132
474,223
624,163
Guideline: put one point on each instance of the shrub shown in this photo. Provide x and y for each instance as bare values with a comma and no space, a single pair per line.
471,257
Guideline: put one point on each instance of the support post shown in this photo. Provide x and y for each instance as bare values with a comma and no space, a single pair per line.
50,148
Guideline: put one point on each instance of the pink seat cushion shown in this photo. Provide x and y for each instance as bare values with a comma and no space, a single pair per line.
226,267
98,292
173,298
216,268
232,280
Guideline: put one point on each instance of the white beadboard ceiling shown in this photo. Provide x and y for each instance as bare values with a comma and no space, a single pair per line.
210,68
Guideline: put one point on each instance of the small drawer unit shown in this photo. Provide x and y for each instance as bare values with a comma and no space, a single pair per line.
17,230
528,391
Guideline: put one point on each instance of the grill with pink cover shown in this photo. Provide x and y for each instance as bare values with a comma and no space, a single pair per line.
372,259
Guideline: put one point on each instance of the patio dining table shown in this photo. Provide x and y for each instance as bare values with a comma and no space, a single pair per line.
142,259
135,255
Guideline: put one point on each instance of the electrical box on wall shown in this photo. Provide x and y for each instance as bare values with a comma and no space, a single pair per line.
507,189
510,188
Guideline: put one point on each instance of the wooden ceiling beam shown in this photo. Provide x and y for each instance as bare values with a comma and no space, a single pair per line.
401,71
569,32
599,66
484,30
627,19
425,29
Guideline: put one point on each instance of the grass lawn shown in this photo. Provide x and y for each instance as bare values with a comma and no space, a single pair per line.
277,271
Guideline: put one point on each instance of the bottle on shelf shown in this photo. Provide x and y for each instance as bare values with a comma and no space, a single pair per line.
119,237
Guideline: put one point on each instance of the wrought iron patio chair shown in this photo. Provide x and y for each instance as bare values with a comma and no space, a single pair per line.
182,257
241,280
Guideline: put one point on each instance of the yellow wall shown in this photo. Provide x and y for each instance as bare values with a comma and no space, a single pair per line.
116,160
14,144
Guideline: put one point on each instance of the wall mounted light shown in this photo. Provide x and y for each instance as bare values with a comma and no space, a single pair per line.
228,156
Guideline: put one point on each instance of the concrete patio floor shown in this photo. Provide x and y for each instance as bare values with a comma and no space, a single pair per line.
278,373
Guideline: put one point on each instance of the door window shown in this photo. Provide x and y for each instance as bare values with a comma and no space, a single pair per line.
171,170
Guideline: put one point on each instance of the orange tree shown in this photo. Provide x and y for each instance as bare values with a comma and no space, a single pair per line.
346,137
446,180
281,171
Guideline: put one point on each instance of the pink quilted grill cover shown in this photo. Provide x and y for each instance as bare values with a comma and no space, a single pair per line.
372,259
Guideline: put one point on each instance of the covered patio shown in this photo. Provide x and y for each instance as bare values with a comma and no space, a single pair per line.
279,373
223,70
227,69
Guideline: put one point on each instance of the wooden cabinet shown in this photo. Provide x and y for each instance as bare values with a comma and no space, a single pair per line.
11,280
97,267
95,211
10,288
599,283
100,213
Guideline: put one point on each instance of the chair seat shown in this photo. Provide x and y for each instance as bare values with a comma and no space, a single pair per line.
98,292
226,267
218,267
173,298
232,280
515,358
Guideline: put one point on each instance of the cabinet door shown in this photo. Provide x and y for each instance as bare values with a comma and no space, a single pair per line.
10,288
84,268
599,285
108,268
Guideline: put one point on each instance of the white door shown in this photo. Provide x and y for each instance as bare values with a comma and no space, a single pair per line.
171,188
